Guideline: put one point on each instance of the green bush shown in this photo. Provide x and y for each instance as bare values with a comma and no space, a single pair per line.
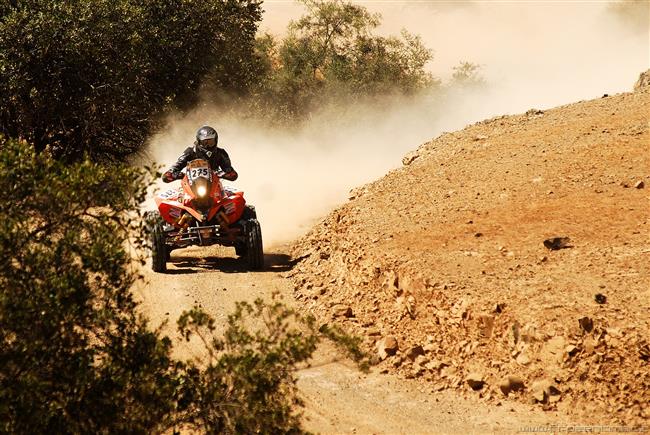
247,384
93,76
74,355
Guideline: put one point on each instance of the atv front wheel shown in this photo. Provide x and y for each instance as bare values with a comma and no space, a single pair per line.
241,247
254,248
159,251
249,213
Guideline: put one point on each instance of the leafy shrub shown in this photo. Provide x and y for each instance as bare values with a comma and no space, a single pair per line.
74,355
247,383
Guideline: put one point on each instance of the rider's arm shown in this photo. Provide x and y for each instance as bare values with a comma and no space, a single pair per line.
229,172
174,171
230,175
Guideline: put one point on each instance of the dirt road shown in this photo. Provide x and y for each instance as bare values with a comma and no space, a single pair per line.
339,398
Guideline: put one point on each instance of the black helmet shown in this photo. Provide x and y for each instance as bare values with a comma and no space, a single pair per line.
207,138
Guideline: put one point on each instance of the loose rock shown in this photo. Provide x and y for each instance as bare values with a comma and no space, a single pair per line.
410,157
412,284
486,324
436,365
543,389
522,359
556,243
373,332
644,352
511,383
387,346
342,311
586,323
413,352
475,381
571,350
421,360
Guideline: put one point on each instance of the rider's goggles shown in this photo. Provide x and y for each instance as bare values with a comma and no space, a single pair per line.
208,142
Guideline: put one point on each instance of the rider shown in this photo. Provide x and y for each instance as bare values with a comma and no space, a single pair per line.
205,147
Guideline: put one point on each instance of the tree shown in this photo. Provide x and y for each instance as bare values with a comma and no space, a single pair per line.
378,65
327,32
332,53
93,76
467,74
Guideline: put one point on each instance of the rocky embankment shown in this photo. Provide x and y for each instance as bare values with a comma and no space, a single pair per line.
509,260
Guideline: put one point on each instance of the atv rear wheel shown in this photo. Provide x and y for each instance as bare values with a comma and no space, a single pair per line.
159,251
254,248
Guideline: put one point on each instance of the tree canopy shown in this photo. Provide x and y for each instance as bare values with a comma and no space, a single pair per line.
93,76
333,53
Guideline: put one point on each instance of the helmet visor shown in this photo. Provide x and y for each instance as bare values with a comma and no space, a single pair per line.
208,143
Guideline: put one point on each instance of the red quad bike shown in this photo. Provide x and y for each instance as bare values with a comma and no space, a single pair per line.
203,214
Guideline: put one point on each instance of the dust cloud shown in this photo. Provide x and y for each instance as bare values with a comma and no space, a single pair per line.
533,54
295,177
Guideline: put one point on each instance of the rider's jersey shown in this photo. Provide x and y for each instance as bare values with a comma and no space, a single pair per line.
218,159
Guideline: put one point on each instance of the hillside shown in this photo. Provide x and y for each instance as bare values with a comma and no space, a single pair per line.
441,265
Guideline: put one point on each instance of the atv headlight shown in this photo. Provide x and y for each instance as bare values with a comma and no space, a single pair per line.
201,190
